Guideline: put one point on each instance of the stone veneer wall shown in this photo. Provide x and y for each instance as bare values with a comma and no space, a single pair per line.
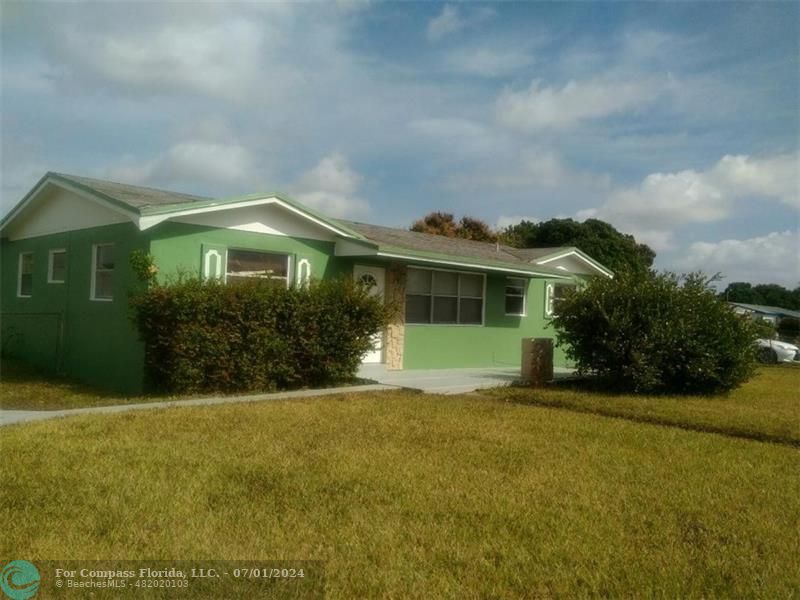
395,331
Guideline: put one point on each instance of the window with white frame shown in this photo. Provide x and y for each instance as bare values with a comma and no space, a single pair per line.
554,293
25,275
251,264
57,266
303,272
515,296
102,272
444,297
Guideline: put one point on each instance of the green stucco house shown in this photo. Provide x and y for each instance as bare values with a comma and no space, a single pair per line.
66,275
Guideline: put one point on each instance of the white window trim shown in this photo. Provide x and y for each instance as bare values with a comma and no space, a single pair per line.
549,290
458,304
94,273
19,277
289,262
303,272
525,284
50,265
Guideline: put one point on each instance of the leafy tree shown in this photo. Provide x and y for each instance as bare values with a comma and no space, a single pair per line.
769,294
656,333
600,240
468,228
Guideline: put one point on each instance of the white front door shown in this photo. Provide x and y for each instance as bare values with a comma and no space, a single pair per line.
376,278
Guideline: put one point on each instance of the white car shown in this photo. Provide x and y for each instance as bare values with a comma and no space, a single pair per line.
773,351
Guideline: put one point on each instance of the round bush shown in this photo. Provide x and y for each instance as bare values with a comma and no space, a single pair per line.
659,333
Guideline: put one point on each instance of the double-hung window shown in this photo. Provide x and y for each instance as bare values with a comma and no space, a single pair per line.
249,264
515,296
102,272
57,266
444,297
25,275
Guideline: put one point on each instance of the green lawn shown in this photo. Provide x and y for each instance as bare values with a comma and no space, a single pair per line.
767,407
408,495
23,387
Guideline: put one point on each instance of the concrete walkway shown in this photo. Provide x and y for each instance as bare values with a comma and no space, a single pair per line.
9,417
431,381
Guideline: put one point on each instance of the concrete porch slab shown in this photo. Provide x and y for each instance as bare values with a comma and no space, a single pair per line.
446,381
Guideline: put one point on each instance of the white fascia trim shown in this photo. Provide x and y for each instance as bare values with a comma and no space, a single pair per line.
470,265
75,190
148,221
588,261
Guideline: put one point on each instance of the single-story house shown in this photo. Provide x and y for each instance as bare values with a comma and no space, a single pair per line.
771,314
66,275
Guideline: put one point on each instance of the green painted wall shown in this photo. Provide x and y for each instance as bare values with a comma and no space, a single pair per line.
59,328
177,247
498,343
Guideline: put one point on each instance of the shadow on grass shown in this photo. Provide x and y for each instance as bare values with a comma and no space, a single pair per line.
588,396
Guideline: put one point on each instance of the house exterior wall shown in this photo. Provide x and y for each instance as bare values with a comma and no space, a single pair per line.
496,343
177,247
59,329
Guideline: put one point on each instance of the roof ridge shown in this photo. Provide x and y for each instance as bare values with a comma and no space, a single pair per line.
83,179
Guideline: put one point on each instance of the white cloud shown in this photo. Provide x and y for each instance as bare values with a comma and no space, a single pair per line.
541,108
773,258
446,22
225,165
532,168
219,58
665,201
331,187
487,61
452,19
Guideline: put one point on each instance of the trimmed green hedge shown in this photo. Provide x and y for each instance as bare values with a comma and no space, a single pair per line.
254,335
657,333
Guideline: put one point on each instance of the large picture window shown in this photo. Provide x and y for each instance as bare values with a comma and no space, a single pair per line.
102,272
515,296
444,297
250,264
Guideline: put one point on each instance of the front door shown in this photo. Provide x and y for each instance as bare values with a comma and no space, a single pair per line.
375,277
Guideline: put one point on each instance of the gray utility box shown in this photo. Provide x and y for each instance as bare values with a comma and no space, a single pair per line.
537,360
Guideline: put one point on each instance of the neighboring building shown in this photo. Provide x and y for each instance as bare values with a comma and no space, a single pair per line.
66,276
771,314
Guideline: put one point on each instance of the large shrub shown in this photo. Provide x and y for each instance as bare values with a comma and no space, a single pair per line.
656,333
254,334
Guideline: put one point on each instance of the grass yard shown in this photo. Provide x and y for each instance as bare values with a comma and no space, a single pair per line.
408,495
765,408
23,387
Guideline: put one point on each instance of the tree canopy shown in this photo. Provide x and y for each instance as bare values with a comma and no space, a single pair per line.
600,240
442,223
769,294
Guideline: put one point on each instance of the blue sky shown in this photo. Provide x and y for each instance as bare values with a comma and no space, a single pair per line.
676,122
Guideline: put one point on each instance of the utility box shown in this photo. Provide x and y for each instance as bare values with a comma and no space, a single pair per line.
537,360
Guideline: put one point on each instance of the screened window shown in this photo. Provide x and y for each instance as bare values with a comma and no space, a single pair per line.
57,266
444,297
25,280
250,264
102,272
515,296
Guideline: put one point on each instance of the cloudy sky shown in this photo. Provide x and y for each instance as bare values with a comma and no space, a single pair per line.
678,123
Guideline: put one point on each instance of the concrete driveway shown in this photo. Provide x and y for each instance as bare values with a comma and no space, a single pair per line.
446,381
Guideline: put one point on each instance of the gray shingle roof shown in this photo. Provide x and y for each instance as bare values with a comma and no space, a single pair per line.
133,195
439,244
529,254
